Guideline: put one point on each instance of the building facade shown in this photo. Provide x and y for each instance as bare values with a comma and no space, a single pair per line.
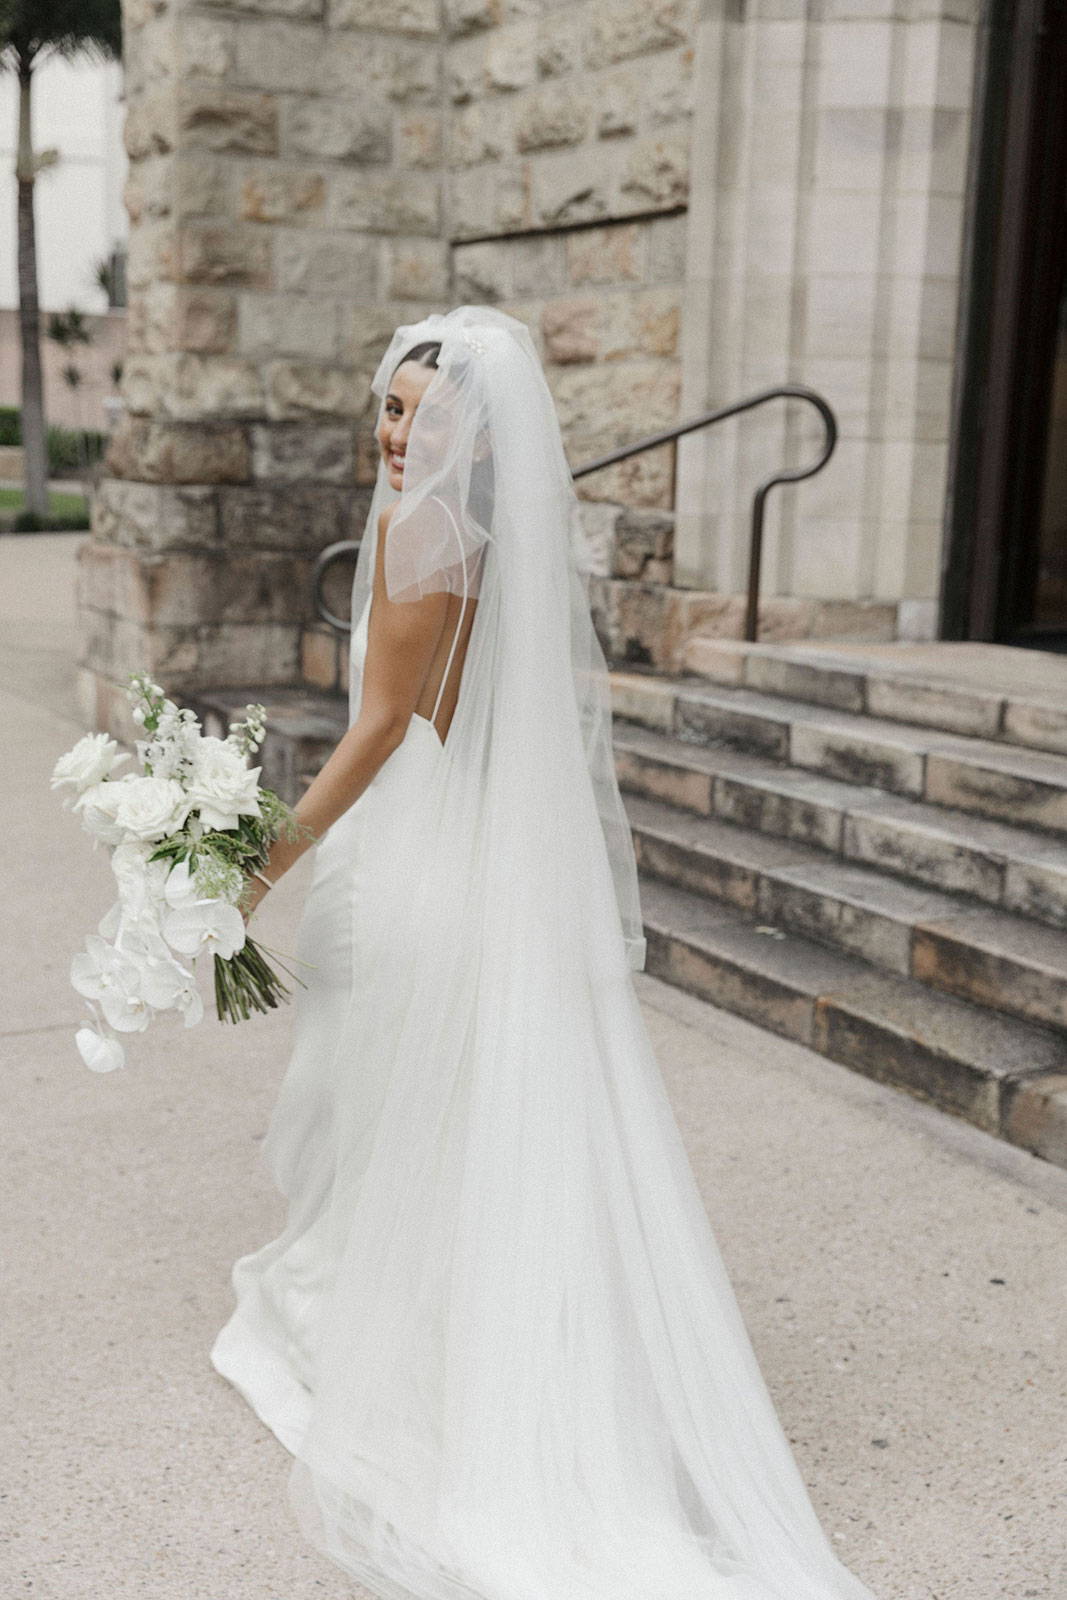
686,201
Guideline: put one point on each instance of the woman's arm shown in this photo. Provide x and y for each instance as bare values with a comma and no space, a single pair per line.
402,637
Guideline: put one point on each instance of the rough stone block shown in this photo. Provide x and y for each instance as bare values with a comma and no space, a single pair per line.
303,388
570,186
300,517
228,119
856,758
287,325
817,683
641,537
315,451
390,16
482,271
704,718
420,140
325,264
553,116
660,779
1038,889
1039,724
656,174
647,700
1036,1116
570,329
337,130
620,29
272,195
154,516
377,203
559,42
161,452
608,255
805,812
996,961
203,321
233,256
282,56
1016,790
917,848
933,705
510,59
417,269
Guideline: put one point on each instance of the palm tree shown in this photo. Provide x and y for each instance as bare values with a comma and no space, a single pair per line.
30,31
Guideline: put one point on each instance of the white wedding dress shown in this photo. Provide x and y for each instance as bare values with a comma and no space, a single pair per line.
497,1334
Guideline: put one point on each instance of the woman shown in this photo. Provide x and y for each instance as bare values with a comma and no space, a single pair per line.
496,1334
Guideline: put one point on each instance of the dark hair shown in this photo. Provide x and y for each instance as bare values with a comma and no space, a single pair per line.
423,355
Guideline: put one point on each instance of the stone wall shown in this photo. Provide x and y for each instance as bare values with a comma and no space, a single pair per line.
831,152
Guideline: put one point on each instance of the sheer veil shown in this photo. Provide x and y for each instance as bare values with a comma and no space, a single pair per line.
497,1334
488,509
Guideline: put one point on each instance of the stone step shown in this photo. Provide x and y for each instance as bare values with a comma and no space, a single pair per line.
1016,869
303,727
979,776
1004,1075
980,691
945,941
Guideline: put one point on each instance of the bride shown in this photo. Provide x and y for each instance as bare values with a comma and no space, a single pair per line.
496,1334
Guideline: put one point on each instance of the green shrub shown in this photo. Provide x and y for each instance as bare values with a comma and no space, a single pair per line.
71,450
10,431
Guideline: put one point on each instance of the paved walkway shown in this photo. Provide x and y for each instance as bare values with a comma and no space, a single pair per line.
901,1274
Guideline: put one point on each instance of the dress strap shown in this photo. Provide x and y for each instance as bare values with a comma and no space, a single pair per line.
459,622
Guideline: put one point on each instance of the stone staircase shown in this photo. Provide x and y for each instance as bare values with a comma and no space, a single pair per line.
845,849
890,890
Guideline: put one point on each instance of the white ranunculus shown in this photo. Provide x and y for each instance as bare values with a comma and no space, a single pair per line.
211,927
91,760
151,808
221,787
97,807
99,1052
110,976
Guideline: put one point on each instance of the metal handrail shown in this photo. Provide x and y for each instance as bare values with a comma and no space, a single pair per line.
785,391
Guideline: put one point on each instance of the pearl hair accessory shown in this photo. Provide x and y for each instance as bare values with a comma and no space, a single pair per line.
477,345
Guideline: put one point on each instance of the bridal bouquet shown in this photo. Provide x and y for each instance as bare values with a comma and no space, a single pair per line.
182,831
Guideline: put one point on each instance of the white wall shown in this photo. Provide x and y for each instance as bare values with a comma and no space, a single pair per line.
78,110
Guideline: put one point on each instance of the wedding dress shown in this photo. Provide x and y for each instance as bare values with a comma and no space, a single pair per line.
497,1334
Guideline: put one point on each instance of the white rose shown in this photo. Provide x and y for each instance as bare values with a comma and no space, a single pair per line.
221,787
151,808
91,760
98,806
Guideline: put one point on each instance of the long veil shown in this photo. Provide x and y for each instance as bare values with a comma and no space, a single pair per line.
531,1377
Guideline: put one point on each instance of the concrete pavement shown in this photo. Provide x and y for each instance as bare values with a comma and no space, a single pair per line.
900,1272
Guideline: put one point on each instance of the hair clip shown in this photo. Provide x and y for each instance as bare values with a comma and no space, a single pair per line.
476,344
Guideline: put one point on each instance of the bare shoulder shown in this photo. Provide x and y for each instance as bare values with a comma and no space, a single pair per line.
385,516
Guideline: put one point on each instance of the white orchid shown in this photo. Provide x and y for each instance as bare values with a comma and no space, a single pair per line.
100,1051
91,760
102,973
211,926
222,788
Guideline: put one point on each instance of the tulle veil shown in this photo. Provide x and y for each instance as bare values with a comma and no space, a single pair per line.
531,1379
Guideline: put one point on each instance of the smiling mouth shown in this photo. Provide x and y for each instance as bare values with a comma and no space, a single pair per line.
397,462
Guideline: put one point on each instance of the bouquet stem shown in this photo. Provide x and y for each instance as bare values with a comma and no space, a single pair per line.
245,982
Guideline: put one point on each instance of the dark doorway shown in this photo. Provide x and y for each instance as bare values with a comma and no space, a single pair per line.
1005,575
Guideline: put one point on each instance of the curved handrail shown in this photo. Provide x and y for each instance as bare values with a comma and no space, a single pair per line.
785,391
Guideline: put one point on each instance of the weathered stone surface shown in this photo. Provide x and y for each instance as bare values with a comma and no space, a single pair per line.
555,115
611,254
207,46
228,119
203,320
391,16
169,452
716,719
657,173
571,329
647,700
623,28
337,130
1038,888
559,42
154,516
918,848
629,398
420,139
482,271
151,125
510,60
270,195
570,186
857,757
470,16
318,451
302,388
1036,1117
188,387
479,132
1040,725
1017,787
383,203
640,538
998,961
285,516
822,685
273,8
417,269
209,253
282,56
287,324
934,705
325,264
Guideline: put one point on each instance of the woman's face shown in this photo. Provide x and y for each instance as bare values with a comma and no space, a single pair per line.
406,388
